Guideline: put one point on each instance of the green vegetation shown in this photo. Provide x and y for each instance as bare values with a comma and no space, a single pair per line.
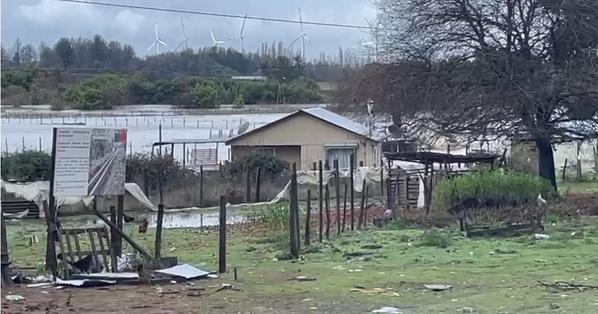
31,165
488,275
508,187
33,86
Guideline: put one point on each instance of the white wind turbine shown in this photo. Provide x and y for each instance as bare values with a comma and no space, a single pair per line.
216,43
185,40
157,41
241,37
301,36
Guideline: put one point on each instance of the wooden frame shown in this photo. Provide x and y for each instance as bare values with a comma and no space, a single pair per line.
105,247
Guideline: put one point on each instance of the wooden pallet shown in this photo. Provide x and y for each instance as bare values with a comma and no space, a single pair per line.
71,237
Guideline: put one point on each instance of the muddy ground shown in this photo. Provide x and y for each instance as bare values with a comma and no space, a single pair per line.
179,299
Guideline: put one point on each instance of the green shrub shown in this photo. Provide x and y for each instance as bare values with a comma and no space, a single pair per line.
493,186
270,165
27,165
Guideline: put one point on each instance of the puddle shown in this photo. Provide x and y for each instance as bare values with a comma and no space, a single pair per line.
190,220
171,220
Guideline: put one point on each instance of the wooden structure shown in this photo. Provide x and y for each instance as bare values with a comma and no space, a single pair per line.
70,246
194,156
310,135
428,160
532,224
404,188
19,206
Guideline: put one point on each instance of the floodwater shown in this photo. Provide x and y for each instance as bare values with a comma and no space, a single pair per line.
36,133
33,129
171,220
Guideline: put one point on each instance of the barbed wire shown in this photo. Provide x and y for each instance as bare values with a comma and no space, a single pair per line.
221,15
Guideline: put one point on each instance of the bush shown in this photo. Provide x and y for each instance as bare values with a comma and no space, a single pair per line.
27,165
270,165
491,187
172,170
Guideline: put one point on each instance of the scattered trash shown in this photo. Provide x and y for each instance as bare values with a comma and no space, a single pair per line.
84,283
466,310
125,262
567,286
370,290
227,286
438,287
541,236
388,310
371,246
303,278
39,285
14,297
184,271
505,251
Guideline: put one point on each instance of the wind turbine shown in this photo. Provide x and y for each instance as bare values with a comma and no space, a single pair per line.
185,40
301,36
157,41
216,43
241,37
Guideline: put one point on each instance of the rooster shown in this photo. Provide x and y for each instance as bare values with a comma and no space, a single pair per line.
143,226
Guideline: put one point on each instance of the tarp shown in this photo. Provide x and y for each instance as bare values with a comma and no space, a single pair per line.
372,175
38,193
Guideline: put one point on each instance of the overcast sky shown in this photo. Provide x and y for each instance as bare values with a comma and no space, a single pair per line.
46,20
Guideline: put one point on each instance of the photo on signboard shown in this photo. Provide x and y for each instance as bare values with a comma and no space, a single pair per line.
107,156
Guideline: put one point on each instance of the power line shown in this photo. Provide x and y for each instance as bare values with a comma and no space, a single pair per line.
230,16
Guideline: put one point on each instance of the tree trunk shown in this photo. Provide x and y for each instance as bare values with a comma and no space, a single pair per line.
546,168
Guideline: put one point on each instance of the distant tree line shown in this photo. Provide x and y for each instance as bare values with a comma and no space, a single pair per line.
98,54
32,85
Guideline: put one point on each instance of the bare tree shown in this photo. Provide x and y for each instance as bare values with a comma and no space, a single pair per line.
522,69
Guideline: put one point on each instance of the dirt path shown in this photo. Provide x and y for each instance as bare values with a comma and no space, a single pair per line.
177,299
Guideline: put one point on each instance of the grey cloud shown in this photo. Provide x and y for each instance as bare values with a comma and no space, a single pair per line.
44,20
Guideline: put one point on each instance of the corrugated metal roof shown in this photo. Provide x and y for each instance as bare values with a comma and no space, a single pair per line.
338,120
322,114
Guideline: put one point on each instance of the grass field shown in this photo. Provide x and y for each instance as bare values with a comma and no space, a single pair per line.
497,275
586,187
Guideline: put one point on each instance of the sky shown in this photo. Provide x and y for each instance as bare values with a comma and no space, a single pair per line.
34,21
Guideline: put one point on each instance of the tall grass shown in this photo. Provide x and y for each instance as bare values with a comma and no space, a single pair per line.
274,217
497,186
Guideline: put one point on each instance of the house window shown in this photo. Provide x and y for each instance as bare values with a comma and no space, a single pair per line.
343,155
269,151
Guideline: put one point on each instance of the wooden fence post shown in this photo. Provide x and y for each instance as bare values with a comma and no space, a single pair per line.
337,191
222,235
293,236
321,202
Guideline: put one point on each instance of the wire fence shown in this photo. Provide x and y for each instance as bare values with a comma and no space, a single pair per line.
168,111
139,121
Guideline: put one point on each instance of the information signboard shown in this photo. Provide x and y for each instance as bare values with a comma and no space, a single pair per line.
89,161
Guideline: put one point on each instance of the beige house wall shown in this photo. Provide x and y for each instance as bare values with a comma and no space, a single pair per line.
305,139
